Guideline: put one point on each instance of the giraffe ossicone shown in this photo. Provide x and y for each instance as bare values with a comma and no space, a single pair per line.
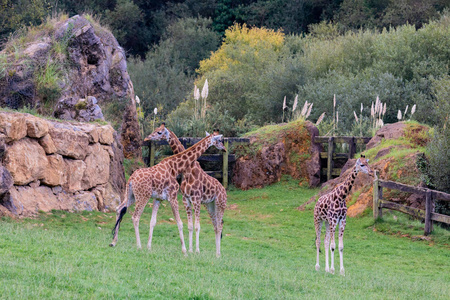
159,182
332,209
197,188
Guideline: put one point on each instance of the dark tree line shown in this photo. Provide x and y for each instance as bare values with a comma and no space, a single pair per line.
139,24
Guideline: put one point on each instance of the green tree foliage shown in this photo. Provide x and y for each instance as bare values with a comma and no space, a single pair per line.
192,39
439,147
356,14
165,77
127,23
19,13
398,65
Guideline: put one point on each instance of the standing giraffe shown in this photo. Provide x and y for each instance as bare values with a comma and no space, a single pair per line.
160,183
197,188
332,209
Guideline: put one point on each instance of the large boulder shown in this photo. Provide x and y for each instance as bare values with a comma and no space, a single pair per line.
281,149
69,166
69,140
13,126
95,76
26,161
97,167
387,132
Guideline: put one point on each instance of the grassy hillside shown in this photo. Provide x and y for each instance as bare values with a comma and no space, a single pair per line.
268,253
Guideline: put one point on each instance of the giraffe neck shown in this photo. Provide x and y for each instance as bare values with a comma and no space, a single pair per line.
348,183
175,143
184,159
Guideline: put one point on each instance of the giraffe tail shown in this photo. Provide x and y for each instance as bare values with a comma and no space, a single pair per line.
123,211
129,195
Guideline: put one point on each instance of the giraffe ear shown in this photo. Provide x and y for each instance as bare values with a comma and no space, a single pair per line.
367,160
358,161
207,134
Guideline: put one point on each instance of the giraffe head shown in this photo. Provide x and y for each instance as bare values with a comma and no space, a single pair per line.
216,140
160,133
362,165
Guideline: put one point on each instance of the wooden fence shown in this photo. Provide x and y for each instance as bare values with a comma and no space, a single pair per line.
225,158
430,196
331,162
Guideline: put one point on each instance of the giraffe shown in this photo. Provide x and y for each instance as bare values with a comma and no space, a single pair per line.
159,182
332,209
197,188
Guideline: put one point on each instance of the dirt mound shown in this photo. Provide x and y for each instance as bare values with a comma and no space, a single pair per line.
276,150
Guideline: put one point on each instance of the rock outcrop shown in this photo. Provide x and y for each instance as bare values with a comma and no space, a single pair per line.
49,165
280,149
94,76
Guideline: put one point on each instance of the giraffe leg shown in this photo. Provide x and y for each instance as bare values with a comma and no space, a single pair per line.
341,245
219,223
332,245
327,244
188,208
140,205
174,204
156,204
196,205
318,225
211,206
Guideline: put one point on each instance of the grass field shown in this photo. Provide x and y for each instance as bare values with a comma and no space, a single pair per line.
268,252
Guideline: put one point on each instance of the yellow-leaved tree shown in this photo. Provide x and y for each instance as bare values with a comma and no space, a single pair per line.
248,77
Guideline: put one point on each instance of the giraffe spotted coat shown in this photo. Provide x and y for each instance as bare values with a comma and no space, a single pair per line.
332,209
197,188
159,182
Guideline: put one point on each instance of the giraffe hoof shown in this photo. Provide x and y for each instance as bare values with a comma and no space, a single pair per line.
342,272
111,245
317,268
332,271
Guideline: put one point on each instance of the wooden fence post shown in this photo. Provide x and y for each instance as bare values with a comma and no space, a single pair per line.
225,165
375,196
330,157
428,211
351,148
152,154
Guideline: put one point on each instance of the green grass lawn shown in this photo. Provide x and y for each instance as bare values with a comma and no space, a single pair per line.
268,252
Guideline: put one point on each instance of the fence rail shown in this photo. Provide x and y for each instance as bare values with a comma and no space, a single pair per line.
430,196
331,157
225,157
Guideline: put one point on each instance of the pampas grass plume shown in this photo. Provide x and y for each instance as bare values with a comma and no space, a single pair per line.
295,103
356,117
309,111
304,109
320,118
205,90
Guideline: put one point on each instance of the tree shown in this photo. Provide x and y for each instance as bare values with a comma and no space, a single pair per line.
19,13
126,21
250,74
